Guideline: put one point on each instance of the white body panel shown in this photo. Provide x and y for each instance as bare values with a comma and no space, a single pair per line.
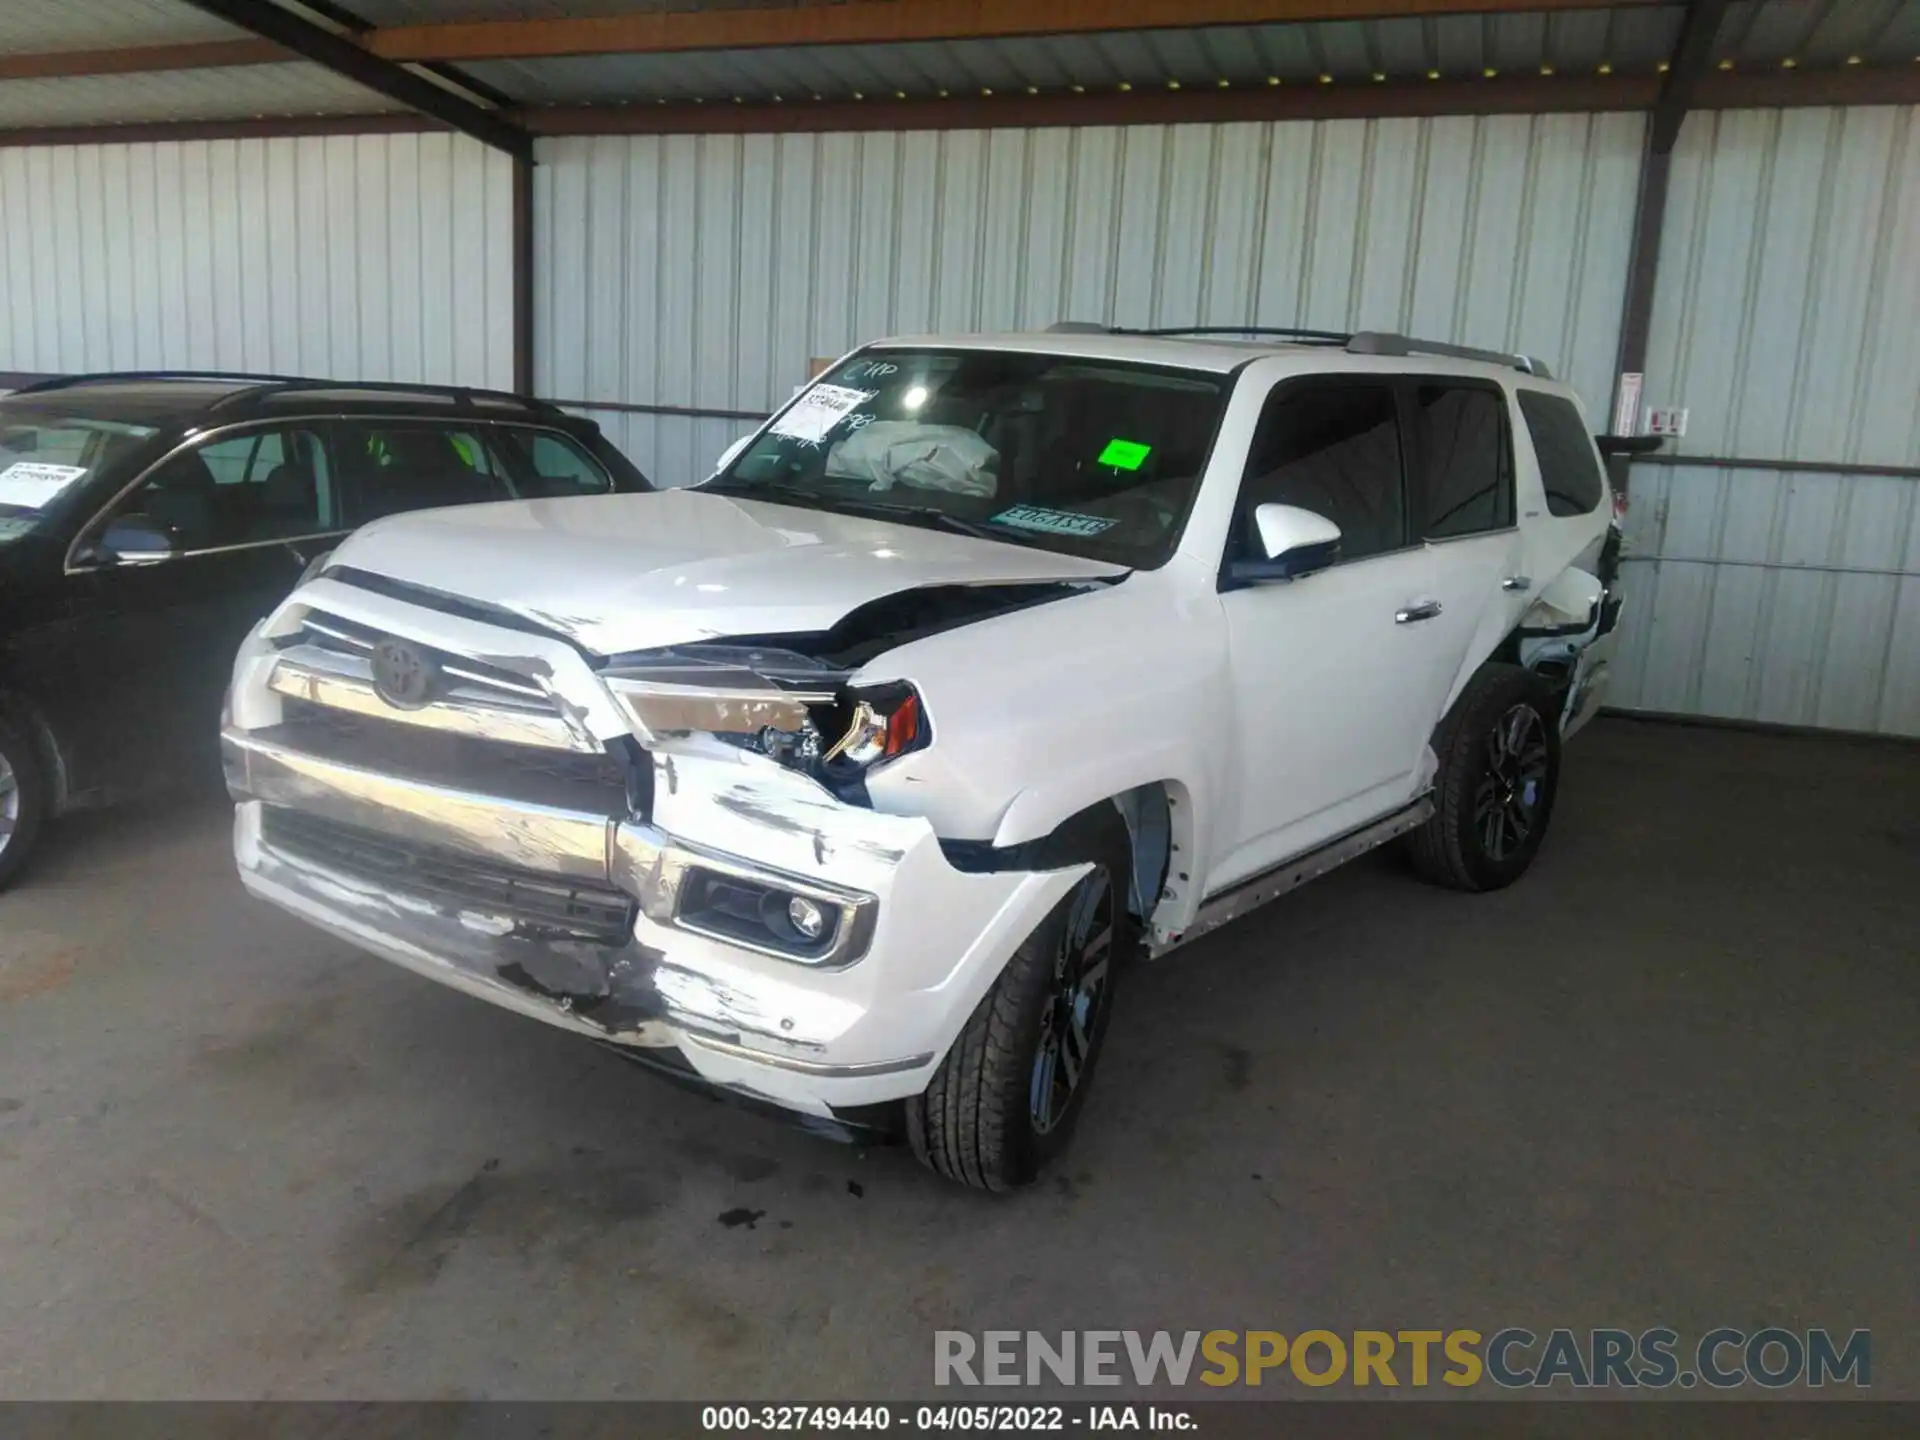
1274,718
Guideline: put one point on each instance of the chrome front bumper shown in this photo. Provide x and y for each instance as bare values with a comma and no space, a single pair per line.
916,943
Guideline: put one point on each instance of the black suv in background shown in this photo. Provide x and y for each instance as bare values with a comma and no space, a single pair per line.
147,521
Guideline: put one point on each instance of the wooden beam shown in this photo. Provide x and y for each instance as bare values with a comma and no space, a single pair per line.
870,22
345,57
202,55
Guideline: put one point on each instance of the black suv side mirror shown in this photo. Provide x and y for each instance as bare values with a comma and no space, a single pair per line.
135,540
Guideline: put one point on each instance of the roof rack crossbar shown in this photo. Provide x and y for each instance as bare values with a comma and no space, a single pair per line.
108,377
1376,342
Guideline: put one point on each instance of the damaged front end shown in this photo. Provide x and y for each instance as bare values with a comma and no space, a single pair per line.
671,851
797,710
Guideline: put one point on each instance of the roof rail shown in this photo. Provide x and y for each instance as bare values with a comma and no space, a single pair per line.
1078,327
463,396
108,377
1284,332
1376,342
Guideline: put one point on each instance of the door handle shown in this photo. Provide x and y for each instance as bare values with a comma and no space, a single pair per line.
1517,582
1424,610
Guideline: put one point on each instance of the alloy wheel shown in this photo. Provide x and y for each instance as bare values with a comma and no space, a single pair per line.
1077,995
1506,804
9,803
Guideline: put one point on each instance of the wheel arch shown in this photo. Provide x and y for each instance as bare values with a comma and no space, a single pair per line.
55,760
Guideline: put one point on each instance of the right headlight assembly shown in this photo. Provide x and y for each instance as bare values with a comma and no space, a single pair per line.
794,708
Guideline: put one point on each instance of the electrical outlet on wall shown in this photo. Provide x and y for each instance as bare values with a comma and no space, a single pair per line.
1666,420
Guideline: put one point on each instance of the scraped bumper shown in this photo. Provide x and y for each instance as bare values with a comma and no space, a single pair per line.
576,915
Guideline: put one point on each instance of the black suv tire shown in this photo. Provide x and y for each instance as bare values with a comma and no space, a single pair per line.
23,796
987,1119
1499,754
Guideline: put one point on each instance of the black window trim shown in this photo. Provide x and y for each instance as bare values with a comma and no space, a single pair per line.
193,439
1417,477
1371,380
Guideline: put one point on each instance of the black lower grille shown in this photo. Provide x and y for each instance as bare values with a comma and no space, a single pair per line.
537,904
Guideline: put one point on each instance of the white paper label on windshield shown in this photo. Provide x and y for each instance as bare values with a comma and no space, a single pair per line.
33,484
815,413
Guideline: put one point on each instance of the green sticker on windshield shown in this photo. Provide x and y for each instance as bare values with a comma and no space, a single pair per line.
1125,454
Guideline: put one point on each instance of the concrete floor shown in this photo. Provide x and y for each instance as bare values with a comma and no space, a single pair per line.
1670,1077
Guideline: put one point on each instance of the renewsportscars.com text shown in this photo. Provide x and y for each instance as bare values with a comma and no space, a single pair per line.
1514,1358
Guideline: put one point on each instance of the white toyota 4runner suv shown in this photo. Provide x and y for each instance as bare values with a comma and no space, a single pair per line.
850,780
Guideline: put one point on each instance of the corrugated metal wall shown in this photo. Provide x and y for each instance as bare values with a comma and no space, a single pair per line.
705,271
368,256
1788,323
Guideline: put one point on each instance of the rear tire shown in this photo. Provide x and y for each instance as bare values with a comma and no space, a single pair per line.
1499,754
23,797
1005,1100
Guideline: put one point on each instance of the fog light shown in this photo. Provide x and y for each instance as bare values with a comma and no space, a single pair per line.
807,917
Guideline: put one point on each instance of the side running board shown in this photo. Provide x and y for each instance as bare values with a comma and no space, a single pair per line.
1252,893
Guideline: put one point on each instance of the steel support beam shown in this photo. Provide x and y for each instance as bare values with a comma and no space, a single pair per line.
896,21
522,275
197,55
1692,56
344,57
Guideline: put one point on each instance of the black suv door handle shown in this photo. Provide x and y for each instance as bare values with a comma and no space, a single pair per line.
1424,610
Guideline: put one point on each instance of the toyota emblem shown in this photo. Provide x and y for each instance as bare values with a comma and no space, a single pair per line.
402,676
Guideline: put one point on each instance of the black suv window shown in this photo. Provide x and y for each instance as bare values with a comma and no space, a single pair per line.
1332,447
1569,467
392,466
1465,459
246,489
547,464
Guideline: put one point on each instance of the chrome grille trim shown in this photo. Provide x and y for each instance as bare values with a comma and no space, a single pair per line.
524,836
331,665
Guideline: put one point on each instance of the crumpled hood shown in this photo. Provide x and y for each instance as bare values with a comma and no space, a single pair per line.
617,573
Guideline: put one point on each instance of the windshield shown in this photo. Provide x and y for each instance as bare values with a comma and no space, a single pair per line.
43,456
1092,457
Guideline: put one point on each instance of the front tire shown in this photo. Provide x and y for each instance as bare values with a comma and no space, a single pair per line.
1499,754
1005,1100
23,798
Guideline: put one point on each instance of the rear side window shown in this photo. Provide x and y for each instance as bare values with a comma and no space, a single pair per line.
1465,460
1569,467
546,464
394,466
1332,447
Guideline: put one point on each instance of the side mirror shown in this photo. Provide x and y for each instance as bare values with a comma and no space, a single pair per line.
1296,542
136,540
731,453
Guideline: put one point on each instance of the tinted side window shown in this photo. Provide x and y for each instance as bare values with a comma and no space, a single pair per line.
1332,447
259,486
1465,461
396,466
1569,468
545,464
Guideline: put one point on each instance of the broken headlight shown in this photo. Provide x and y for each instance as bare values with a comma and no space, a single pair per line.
789,706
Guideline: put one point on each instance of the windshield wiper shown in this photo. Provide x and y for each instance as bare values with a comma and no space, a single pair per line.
757,490
931,515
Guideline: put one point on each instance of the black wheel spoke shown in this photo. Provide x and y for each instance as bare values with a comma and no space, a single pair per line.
1070,1019
1506,799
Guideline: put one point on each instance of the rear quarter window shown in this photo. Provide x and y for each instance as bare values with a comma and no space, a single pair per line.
1569,465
